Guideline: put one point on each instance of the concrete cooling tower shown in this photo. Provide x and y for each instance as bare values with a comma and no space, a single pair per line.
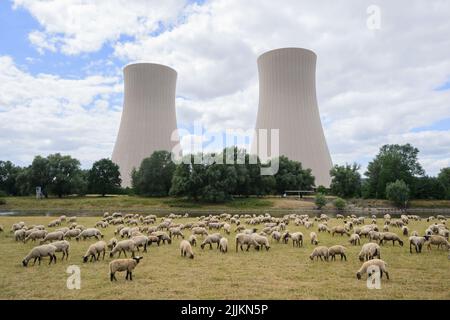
148,117
287,101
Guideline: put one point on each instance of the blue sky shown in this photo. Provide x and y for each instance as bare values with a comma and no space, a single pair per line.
61,71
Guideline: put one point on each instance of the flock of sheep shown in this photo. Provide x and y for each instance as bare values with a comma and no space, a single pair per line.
136,231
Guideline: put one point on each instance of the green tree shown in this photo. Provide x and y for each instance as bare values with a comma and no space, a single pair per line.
154,176
23,185
398,193
8,176
346,181
444,179
393,162
320,201
339,203
220,182
291,176
65,174
104,177
428,188
39,174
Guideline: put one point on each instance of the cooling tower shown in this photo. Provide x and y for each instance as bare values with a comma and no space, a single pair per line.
287,101
148,117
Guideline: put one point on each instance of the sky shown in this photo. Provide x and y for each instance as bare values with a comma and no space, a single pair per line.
383,72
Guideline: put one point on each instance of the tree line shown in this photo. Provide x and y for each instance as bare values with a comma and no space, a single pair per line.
395,174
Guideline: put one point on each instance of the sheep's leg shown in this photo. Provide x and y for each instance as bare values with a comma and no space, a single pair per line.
387,274
210,246
39,261
145,247
131,276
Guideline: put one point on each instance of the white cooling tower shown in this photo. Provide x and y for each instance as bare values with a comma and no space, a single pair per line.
148,117
287,101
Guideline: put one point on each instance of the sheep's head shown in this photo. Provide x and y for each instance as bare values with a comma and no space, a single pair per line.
24,262
401,242
85,259
358,276
137,259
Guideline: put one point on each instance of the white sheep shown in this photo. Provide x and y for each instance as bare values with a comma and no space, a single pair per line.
210,239
123,246
112,243
95,250
193,240
390,236
120,265
140,241
200,231
261,240
227,228
19,235
337,250
53,236
369,266
297,239
186,249
223,245
339,230
89,233
319,252
62,246
40,251
369,251
417,242
355,239
438,241
243,238
72,233
313,237
36,235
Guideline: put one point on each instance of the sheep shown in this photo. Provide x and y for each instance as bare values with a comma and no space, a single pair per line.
35,235
19,235
152,239
390,236
112,243
40,251
261,240
176,232
89,233
120,265
101,224
17,226
437,240
140,241
250,231
314,239
186,249
223,245
200,231
276,235
54,223
285,237
95,250
210,239
414,233
62,246
405,230
52,236
243,238
385,228
374,235
337,249
123,246
309,224
354,239
319,252
193,240
163,237
368,265
339,230
417,242
369,251
72,233
63,230
72,219
297,239
227,228
321,227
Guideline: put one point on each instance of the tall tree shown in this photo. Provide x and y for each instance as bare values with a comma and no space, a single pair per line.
8,176
154,176
291,176
428,188
444,179
393,162
104,177
40,175
65,174
346,181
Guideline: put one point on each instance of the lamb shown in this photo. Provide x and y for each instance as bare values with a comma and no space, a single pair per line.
35,235
62,246
337,250
369,251
339,230
140,241
297,239
438,241
40,251
417,242
319,252
390,236
123,246
314,239
193,240
212,238
369,265
89,233
243,238
223,245
120,265
19,235
355,239
200,231
186,249
52,236
72,233
261,240
94,251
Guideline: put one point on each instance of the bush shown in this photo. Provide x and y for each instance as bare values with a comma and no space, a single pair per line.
398,193
2,201
339,203
320,201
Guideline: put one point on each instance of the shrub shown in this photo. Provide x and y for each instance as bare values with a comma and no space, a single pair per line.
320,201
398,193
339,203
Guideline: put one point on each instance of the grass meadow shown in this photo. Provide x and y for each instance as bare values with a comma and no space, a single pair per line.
283,272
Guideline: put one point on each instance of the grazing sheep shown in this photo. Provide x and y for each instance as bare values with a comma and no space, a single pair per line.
140,241
210,239
152,239
314,239
19,235
417,242
101,224
261,240
176,232
200,231
405,230
186,249
193,240
36,235
355,239
243,238
276,235
339,230
120,265
95,250
319,252
373,263
63,230
321,227
309,224
337,250
285,237
227,228
112,243
54,223
62,246
390,236
40,251
374,235
223,245
72,233
437,241
123,246
89,233
369,251
297,239
52,236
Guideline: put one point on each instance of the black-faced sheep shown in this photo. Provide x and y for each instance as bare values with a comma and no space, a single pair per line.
380,264
37,253
390,236
120,265
123,246
337,250
223,245
339,230
314,239
319,252
95,250
243,238
210,239
369,251
417,242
